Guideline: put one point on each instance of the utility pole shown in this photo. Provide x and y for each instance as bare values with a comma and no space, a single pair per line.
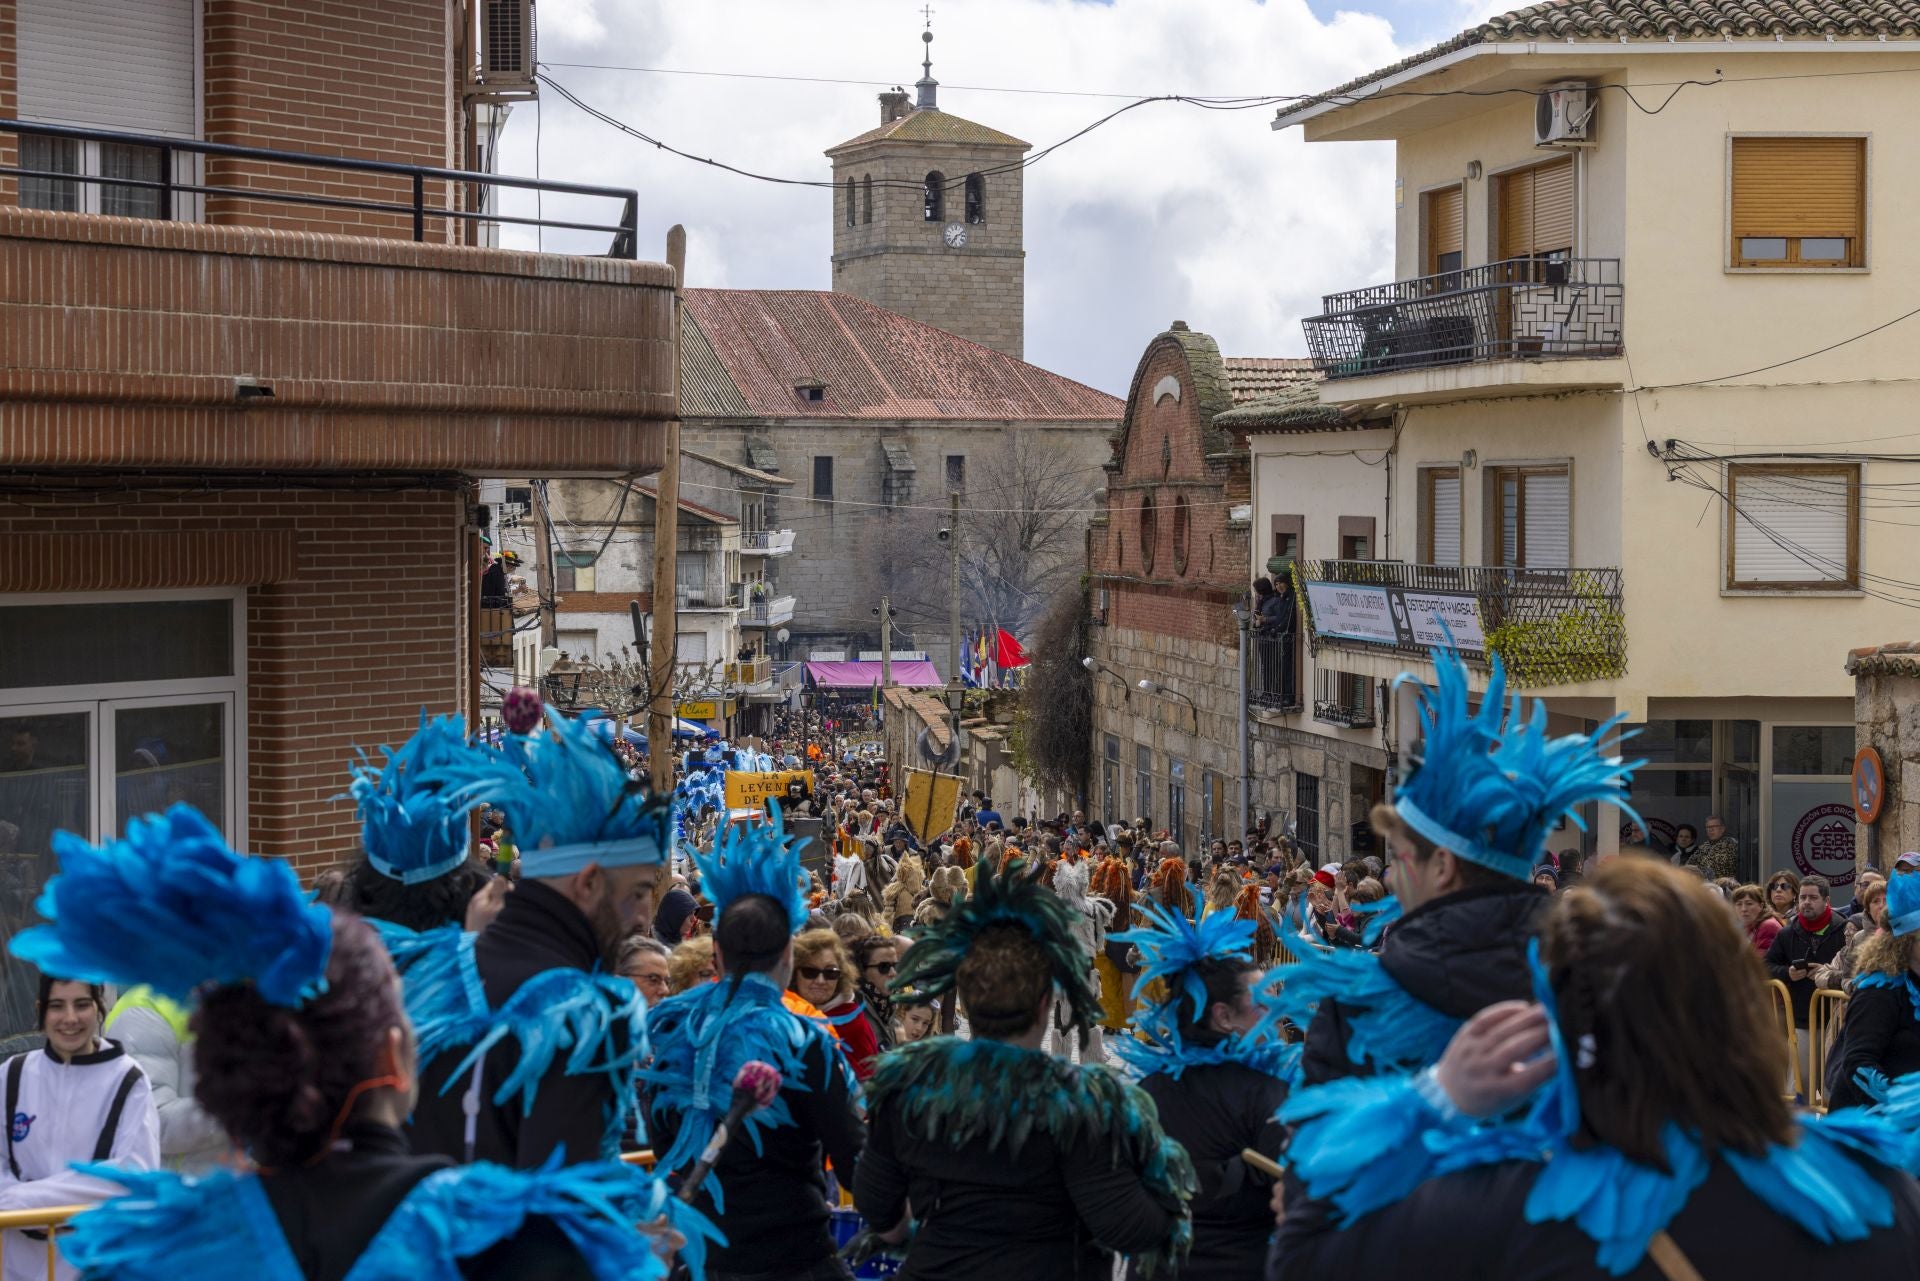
886,642
953,588
666,541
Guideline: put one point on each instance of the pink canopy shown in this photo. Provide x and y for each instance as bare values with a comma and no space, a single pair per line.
918,673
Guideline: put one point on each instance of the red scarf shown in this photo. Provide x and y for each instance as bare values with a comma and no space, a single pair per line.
1814,927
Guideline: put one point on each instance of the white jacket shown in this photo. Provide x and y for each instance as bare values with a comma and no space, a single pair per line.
190,1140
57,1120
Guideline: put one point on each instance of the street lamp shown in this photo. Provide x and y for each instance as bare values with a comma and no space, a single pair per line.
1092,664
1155,687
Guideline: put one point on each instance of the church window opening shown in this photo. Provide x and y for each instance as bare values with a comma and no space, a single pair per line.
850,207
933,207
976,198
866,199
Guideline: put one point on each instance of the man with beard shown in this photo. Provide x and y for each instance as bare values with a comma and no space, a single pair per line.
549,1065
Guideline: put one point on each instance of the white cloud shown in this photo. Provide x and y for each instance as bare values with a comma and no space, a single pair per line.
1168,212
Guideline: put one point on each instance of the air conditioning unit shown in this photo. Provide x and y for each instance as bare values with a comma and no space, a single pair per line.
1563,116
503,48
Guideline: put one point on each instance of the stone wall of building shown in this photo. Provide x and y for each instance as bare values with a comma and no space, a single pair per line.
840,545
1887,719
901,261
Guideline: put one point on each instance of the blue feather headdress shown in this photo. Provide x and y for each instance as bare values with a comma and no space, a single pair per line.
1491,786
754,858
173,907
413,809
572,803
1903,902
1172,949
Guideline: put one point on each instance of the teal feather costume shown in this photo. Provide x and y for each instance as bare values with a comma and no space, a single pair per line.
704,1035
220,1225
1365,1143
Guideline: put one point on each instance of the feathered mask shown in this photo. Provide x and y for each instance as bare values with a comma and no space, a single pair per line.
932,964
754,858
413,810
1491,786
171,906
1903,902
572,803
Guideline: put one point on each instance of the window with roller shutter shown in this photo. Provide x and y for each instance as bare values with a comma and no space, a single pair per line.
122,65
1439,515
1445,230
1797,202
1793,527
1530,517
1536,211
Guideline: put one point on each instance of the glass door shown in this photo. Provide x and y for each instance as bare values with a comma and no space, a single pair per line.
167,749
46,785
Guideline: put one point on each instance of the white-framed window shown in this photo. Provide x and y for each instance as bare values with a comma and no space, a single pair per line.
128,66
1793,527
112,705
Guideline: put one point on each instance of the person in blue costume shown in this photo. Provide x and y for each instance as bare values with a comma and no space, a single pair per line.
418,872
529,1039
1017,1164
767,1191
304,1056
1464,832
1881,1031
1213,1063
1658,1146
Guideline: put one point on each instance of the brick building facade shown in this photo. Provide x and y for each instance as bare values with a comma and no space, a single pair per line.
236,460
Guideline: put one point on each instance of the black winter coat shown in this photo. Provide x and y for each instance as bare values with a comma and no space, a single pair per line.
1215,1112
538,929
1799,946
1052,1215
1880,1031
1472,1225
1459,954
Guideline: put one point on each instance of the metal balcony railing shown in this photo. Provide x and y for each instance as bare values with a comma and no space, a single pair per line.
1273,672
1342,698
1549,626
1519,308
770,542
770,611
168,186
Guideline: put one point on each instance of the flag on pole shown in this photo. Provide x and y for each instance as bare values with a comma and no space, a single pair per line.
1007,651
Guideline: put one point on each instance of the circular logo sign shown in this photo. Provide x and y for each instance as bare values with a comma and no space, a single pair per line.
1823,843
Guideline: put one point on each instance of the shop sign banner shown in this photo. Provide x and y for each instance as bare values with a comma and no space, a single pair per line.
1396,616
748,790
1813,827
1353,612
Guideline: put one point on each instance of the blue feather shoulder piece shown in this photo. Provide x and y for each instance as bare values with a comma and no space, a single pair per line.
460,1213
754,858
1389,1026
702,1037
167,1226
446,1001
171,906
596,1021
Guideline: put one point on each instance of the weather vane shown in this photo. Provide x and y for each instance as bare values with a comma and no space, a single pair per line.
928,11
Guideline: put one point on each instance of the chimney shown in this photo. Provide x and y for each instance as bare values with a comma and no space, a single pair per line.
893,105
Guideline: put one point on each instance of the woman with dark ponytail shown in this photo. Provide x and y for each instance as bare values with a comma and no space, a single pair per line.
303,1053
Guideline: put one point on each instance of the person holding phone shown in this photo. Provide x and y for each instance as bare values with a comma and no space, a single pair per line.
1813,938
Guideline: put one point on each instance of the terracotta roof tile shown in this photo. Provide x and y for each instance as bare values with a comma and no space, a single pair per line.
1616,20
934,126
869,363
1251,378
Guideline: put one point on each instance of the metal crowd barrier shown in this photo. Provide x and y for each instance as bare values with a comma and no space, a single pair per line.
41,1220
1824,1017
1783,1008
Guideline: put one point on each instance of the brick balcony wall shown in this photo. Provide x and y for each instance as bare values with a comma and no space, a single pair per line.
356,612
121,339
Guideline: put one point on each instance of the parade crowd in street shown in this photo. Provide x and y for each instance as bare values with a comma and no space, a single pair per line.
1016,1047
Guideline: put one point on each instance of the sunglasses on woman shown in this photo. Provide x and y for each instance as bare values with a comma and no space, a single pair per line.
831,973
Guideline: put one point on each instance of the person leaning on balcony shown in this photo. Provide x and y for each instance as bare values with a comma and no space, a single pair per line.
1274,620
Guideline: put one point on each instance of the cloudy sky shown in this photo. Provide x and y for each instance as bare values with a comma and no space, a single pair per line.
1169,212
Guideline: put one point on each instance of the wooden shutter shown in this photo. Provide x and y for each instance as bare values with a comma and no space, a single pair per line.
1549,511
1445,235
111,64
1799,186
1536,210
1793,527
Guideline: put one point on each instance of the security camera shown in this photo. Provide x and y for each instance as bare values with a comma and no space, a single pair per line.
946,535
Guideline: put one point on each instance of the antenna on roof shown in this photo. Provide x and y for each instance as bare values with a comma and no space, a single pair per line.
927,85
